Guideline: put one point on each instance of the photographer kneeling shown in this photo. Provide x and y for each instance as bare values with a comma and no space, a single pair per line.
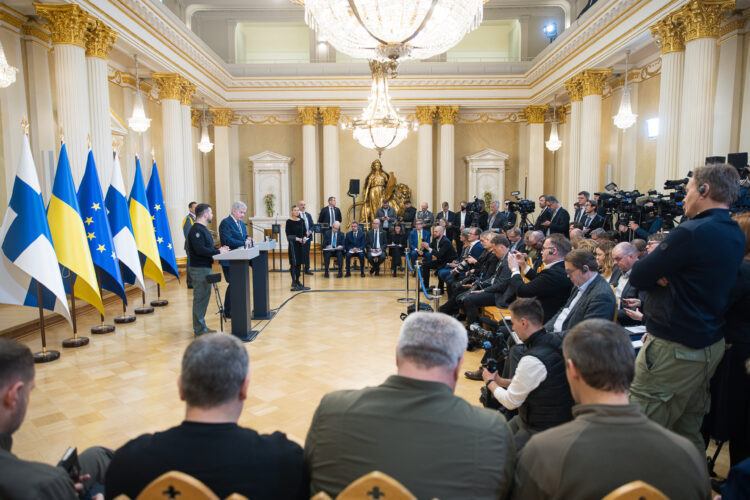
538,388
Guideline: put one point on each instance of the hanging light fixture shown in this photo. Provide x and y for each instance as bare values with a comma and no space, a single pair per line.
380,127
554,143
205,146
625,117
7,72
138,122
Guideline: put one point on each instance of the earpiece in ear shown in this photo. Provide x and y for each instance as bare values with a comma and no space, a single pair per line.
702,189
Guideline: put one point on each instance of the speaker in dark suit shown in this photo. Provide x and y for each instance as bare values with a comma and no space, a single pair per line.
330,213
232,233
308,221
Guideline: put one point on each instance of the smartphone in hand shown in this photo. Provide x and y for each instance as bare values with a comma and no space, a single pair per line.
69,462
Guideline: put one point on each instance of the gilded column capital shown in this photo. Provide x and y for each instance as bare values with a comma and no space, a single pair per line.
426,114
703,18
100,39
592,81
195,117
222,116
669,34
535,114
308,114
330,115
575,91
562,114
447,114
170,85
187,92
68,23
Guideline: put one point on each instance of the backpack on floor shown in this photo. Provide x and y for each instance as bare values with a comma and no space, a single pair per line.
412,308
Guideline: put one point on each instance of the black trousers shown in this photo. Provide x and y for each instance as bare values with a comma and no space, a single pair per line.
227,304
471,302
327,254
360,256
375,262
306,254
426,268
396,254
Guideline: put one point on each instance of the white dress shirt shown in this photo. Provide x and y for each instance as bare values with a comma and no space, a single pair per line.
530,372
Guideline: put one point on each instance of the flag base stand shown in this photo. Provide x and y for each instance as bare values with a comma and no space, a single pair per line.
75,341
45,356
143,310
101,329
125,318
159,303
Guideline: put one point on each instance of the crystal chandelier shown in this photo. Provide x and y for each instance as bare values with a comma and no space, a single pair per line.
553,144
392,29
205,146
138,122
7,72
625,117
380,127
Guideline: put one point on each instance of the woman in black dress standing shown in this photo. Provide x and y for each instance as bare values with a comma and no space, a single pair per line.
295,234
398,240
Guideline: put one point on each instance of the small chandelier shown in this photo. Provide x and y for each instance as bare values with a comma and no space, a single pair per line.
625,117
138,122
553,144
205,146
380,127
7,72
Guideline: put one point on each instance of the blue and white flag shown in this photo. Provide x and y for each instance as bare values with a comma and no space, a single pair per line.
161,223
28,255
122,229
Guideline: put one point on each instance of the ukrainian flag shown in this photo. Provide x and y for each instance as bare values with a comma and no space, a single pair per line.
69,234
143,228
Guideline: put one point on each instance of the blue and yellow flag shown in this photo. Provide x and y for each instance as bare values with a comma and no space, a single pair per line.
143,229
161,223
69,235
98,232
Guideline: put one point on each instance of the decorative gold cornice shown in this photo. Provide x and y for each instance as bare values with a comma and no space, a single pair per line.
222,116
187,92
575,91
330,115
35,31
68,24
100,39
195,117
736,25
170,85
669,34
535,114
562,114
16,22
426,114
269,120
703,18
308,114
447,114
592,81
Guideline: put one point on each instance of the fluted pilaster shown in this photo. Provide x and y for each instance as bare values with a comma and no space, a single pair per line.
188,146
425,117
535,124
446,166
331,168
222,118
592,83
571,180
310,189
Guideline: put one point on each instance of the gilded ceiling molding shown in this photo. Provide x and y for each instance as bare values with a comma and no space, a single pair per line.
732,26
574,88
426,114
637,75
127,80
535,114
187,92
669,34
308,114
169,84
703,18
100,39
35,30
17,21
561,113
330,115
447,114
490,117
592,81
195,117
68,24
270,120
222,116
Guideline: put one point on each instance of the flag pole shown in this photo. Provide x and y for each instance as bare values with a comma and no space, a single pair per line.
75,340
125,318
159,302
144,309
44,356
101,328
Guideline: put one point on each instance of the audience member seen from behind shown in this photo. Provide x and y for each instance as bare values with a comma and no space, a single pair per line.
412,427
610,442
24,480
689,286
209,445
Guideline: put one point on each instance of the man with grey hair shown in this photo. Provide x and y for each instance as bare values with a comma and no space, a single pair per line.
412,427
209,445
233,234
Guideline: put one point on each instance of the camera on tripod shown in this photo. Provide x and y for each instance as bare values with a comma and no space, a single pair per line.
521,205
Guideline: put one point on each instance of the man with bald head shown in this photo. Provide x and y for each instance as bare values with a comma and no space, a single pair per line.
333,246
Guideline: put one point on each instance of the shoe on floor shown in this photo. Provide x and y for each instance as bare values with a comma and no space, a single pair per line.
473,375
348,274
339,275
207,330
372,270
326,275
303,287
309,272
362,274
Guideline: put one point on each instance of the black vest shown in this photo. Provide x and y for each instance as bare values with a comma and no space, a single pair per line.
549,404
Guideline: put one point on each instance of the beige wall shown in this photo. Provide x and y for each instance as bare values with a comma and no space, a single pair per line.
648,107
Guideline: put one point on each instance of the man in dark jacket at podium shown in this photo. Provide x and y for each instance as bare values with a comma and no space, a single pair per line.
233,234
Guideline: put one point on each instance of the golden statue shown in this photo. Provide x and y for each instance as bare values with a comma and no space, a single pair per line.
381,185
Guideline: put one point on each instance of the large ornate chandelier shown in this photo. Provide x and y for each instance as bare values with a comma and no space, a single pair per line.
392,29
554,143
380,127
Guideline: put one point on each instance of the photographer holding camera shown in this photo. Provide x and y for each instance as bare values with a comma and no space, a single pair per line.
538,388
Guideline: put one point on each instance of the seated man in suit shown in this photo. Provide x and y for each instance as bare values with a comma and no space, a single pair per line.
355,246
496,222
329,214
412,427
488,292
559,220
516,240
442,253
629,298
568,461
419,243
334,242
387,216
233,234
472,250
208,444
376,241
576,234
534,241
591,220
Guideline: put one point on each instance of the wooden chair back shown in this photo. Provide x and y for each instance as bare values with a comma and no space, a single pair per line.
375,485
176,484
636,490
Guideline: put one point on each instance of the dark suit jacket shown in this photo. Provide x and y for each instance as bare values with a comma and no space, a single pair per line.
482,219
596,222
560,223
325,218
498,282
439,216
579,212
390,215
443,252
551,287
498,223
309,218
231,235
510,219
409,214
598,301
521,247
370,240
457,220
629,292
544,215
328,238
352,242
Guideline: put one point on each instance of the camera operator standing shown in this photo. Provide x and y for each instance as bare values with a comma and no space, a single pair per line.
688,288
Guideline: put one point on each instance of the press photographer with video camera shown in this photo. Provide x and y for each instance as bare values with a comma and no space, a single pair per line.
538,388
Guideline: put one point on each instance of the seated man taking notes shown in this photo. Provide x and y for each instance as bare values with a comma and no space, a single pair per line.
354,245
333,245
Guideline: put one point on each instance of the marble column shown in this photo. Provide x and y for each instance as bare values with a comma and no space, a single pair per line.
222,176
727,111
701,19
571,181
331,169
309,116
201,191
425,117
446,160
592,85
172,172
68,25
188,146
671,39
535,125
99,42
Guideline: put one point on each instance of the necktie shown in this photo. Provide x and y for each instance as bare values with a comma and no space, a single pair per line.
377,239
331,216
304,217
588,221
492,220
333,241
419,240
239,227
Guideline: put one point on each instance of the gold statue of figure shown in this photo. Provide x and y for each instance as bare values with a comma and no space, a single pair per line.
381,185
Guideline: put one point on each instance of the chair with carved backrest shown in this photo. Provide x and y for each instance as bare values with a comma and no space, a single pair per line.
178,485
636,490
374,485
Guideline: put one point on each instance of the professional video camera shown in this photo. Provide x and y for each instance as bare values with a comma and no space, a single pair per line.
622,204
473,206
521,205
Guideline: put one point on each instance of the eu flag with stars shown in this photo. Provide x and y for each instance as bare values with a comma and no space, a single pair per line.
98,233
161,223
